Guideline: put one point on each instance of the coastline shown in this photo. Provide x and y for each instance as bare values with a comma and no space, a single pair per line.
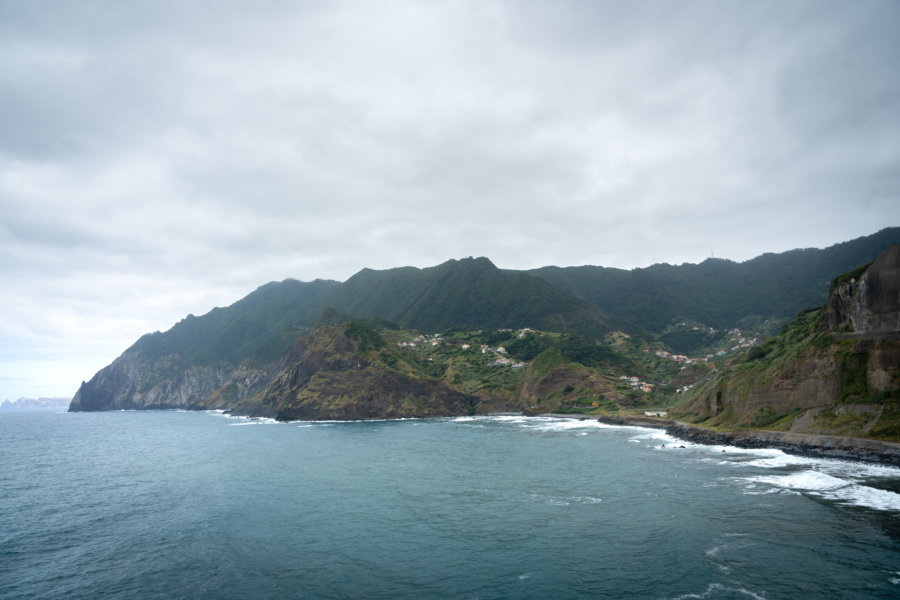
802,444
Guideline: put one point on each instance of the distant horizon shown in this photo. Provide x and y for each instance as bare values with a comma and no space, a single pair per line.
9,401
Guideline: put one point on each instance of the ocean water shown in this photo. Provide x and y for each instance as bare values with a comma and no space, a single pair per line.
144,505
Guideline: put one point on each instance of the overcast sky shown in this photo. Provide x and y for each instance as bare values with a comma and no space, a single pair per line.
161,158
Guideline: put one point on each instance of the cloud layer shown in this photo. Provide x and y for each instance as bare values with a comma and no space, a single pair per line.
161,158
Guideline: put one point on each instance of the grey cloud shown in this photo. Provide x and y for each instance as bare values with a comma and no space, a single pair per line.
160,158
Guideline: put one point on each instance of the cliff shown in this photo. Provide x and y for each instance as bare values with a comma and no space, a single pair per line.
868,305
832,371
224,356
135,381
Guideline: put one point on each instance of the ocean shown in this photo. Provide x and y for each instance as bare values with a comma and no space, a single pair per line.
170,504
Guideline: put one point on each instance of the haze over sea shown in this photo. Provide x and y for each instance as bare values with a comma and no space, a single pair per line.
142,505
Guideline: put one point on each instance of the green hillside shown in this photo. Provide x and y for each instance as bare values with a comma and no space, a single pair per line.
261,326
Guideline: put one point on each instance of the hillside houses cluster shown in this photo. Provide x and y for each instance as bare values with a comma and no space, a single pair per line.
502,359
437,340
433,340
736,337
637,384
680,358
740,340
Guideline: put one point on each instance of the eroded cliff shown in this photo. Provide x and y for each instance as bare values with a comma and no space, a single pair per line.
834,370
134,381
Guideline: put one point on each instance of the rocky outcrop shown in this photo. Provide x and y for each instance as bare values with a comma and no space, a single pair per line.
134,381
869,306
829,446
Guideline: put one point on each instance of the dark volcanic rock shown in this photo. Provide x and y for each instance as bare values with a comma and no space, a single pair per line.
870,305
827,446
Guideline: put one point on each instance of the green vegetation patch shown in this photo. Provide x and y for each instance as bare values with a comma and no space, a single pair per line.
365,337
853,368
546,361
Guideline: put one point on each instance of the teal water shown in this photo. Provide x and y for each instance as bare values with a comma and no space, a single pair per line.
138,505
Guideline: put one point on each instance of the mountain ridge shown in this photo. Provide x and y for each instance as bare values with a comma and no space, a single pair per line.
230,354
766,286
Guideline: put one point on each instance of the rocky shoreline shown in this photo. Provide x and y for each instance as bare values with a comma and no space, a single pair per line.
819,446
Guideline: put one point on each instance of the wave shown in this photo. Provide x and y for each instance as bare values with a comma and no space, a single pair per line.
842,481
242,419
829,487
846,482
255,421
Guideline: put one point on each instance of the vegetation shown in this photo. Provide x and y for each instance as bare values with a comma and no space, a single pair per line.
365,337
719,293
849,276
469,293
261,327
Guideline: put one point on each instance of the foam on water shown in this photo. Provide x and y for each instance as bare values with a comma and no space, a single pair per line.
845,482
562,500
827,486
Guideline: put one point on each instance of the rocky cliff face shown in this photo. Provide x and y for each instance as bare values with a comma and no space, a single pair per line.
838,374
331,376
869,305
133,381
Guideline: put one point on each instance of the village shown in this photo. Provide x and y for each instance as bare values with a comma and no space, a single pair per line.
736,337
500,353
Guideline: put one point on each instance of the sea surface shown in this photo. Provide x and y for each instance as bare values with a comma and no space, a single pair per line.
145,505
